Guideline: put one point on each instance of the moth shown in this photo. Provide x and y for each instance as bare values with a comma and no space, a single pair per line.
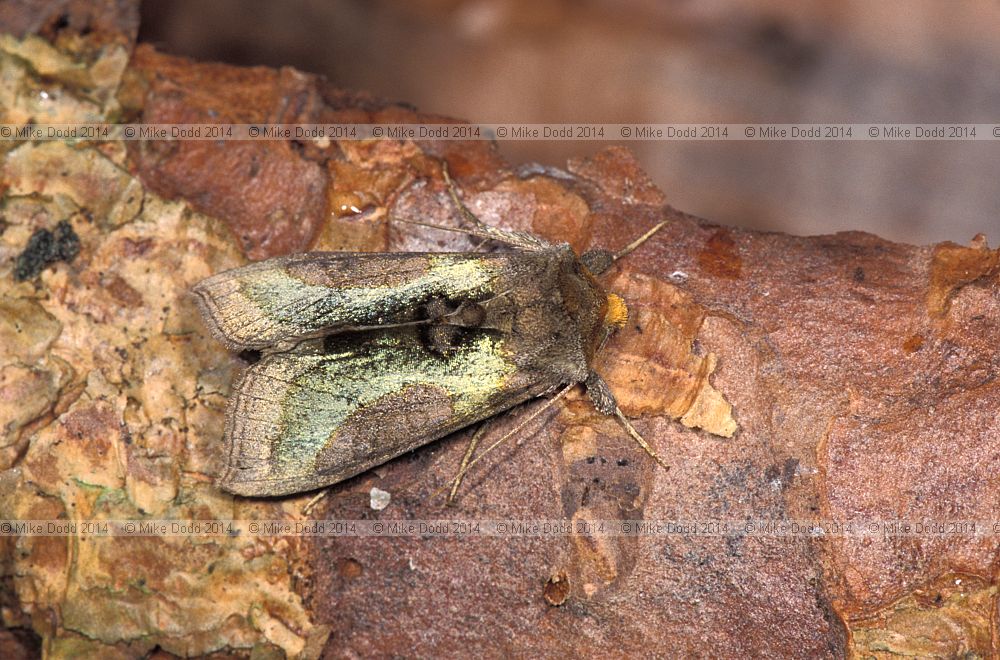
366,356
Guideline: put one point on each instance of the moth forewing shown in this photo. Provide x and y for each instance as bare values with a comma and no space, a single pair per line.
303,421
318,293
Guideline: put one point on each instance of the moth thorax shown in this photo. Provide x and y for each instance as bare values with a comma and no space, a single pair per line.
615,311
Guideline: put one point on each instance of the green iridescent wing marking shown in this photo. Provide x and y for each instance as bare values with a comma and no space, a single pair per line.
309,295
299,421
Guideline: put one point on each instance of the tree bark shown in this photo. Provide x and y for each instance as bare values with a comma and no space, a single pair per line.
856,380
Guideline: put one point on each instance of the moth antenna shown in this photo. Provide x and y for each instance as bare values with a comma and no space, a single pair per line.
517,239
385,326
638,438
462,472
453,191
637,242
465,460
472,232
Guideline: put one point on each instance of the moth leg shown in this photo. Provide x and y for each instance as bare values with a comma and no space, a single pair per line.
457,481
314,500
600,394
604,401
517,429
518,239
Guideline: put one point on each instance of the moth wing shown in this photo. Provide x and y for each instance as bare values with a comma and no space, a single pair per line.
317,293
302,421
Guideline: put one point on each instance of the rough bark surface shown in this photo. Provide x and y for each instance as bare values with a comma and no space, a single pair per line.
862,375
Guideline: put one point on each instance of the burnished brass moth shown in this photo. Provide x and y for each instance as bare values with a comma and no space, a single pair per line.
366,356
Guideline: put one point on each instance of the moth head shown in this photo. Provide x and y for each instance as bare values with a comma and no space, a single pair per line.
597,260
